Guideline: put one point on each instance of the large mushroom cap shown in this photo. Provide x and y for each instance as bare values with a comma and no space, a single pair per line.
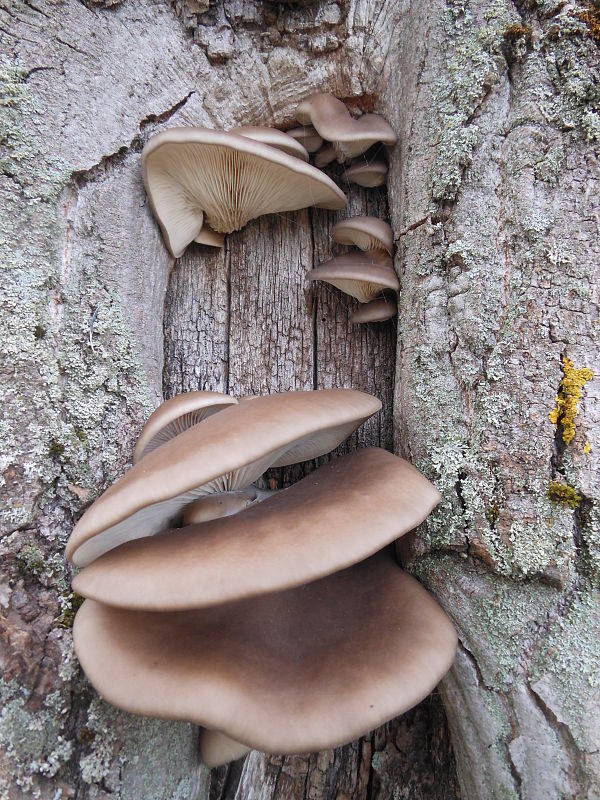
368,233
177,415
369,174
228,451
290,672
274,138
350,137
362,275
195,176
375,311
342,513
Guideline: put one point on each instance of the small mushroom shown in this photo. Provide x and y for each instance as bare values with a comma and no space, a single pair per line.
227,452
325,156
217,749
369,174
195,176
223,504
274,138
368,233
375,311
338,515
307,136
362,275
288,672
177,415
350,137
209,237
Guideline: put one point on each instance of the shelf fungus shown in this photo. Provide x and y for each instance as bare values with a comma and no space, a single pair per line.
367,233
307,136
293,671
349,137
226,452
369,173
365,276
376,311
275,138
195,177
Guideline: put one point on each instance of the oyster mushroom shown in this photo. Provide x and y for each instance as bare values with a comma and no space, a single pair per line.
338,515
296,671
369,174
196,177
362,275
368,233
275,138
375,311
349,137
307,136
227,452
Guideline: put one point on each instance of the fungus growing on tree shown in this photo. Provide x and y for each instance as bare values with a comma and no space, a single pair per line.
294,671
177,415
369,174
227,452
375,311
367,233
274,138
349,137
338,515
195,176
307,136
362,275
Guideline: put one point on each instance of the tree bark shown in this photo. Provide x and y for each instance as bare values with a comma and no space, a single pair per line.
492,194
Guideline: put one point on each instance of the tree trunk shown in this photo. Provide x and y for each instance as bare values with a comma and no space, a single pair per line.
492,194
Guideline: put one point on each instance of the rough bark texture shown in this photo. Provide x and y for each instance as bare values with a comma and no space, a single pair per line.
493,194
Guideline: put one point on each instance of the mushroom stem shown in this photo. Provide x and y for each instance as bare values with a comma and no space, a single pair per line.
224,504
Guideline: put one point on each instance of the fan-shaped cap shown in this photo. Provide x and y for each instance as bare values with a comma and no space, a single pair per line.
368,233
195,176
362,275
350,137
325,156
289,672
274,138
369,174
177,415
375,311
228,451
209,237
307,136
342,513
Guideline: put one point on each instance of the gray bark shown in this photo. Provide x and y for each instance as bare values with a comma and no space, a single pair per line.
493,197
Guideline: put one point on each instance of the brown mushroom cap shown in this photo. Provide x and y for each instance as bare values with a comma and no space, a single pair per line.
177,415
375,311
362,275
274,138
342,513
195,176
350,137
369,174
217,749
307,136
289,672
368,233
228,451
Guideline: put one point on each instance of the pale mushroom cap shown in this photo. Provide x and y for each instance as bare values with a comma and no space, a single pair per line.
228,451
334,123
342,513
307,136
369,175
368,233
290,672
195,176
375,311
177,415
209,237
362,275
215,506
274,138
217,749
325,156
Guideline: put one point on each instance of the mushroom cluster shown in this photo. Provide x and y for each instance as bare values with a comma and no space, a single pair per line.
280,621
332,133
367,275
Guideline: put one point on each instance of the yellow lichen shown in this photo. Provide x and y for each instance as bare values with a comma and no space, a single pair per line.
562,493
569,392
587,448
